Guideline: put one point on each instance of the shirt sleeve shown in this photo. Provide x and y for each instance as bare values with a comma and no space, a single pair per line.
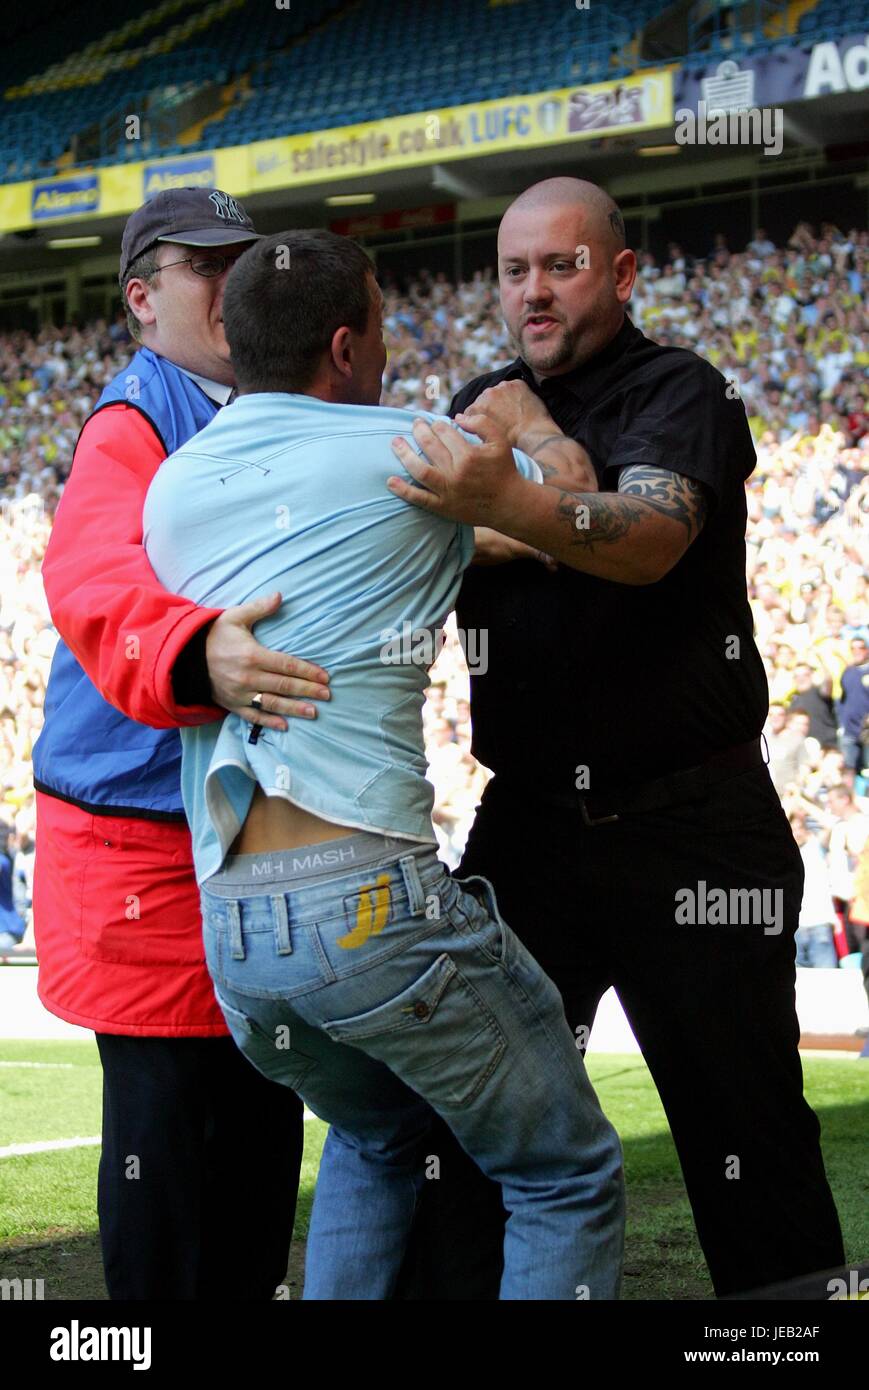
686,420
524,463
527,467
121,625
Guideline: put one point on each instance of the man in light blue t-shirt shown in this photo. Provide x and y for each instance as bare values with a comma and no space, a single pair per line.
286,491
349,963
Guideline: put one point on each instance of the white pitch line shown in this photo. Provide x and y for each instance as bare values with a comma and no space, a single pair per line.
47,1145
53,1066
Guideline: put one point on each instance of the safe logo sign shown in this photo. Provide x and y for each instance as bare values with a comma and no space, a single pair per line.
638,102
618,106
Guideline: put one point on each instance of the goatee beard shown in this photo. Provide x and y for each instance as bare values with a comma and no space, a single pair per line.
559,355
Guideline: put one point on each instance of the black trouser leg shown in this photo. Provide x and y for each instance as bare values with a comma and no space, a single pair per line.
731,1084
199,1170
712,1005
456,1247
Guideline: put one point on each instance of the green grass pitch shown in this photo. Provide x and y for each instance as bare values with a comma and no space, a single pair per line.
48,1224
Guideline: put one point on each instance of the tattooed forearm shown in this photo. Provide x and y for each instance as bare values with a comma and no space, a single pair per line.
671,494
599,519
633,536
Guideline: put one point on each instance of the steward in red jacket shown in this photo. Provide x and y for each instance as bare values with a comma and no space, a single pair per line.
116,908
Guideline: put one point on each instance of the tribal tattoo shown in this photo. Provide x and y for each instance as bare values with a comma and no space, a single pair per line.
607,517
671,494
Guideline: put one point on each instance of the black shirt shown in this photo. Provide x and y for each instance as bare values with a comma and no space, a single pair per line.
822,717
629,681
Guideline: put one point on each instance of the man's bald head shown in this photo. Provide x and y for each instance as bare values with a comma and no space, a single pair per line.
564,272
602,213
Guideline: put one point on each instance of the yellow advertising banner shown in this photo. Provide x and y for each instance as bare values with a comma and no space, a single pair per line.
636,103
643,101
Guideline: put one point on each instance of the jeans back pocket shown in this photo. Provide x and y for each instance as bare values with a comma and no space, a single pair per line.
438,1035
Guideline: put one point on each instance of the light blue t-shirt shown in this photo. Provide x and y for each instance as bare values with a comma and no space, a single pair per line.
288,492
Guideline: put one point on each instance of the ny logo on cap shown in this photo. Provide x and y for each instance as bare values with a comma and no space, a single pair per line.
226,207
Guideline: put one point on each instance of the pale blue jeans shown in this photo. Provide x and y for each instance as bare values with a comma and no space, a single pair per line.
384,989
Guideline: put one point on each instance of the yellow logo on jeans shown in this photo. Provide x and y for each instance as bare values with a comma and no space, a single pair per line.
371,913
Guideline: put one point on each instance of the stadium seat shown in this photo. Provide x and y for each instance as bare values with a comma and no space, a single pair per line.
403,58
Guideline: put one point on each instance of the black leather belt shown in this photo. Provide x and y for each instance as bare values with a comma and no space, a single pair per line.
689,784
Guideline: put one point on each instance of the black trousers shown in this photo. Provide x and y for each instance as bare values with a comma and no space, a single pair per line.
199,1171
712,1007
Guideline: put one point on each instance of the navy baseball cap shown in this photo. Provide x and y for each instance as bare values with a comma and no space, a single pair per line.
191,216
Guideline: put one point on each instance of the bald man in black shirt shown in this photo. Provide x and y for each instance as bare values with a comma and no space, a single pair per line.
631,830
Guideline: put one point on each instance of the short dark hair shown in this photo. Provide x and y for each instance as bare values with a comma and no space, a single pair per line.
284,301
144,267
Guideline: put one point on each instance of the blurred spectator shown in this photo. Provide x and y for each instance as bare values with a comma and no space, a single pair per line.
819,781
860,912
814,938
12,926
788,754
816,702
833,650
854,707
848,838
798,723
22,875
760,245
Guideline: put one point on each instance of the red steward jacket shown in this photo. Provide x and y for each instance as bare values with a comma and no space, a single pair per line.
116,907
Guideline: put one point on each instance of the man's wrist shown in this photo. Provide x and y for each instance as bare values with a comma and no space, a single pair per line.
511,505
191,683
537,436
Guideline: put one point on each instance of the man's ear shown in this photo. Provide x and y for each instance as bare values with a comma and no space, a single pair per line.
625,272
137,297
341,354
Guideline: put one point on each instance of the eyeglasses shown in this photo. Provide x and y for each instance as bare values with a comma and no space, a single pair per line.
207,265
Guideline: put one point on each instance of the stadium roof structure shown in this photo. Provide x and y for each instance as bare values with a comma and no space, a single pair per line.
458,109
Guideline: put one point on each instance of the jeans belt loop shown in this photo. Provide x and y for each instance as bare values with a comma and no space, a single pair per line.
413,884
235,937
282,925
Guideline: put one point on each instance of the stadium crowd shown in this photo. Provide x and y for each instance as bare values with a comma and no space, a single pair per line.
787,328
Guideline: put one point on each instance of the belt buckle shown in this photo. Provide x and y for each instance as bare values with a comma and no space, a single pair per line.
592,820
